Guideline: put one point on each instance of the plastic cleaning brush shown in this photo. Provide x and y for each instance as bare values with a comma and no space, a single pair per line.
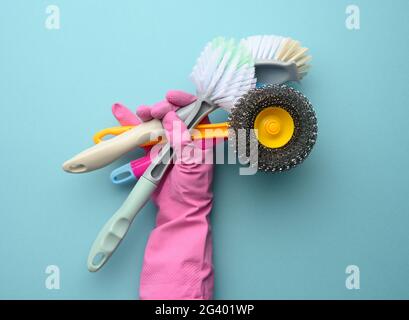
224,73
278,59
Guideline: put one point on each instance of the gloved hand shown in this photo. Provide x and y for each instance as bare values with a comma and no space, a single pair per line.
178,255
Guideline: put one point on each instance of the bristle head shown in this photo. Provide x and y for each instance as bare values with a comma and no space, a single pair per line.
277,48
263,47
224,72
305,134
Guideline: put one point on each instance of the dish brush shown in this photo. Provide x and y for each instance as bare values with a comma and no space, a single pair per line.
224,72
278,59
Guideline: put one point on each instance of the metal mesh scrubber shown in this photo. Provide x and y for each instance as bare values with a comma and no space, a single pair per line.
296,150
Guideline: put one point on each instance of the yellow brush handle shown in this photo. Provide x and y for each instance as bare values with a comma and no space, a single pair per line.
204,131
113,131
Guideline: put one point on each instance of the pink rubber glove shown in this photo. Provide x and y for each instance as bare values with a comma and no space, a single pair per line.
178,256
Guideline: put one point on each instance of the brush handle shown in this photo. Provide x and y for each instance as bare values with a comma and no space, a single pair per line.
270,72
131,171
123,174
116,228
161,163
108,151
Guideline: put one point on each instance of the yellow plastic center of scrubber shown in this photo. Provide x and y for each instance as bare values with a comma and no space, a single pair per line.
275,127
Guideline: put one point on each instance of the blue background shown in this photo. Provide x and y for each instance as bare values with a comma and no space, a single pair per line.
275,236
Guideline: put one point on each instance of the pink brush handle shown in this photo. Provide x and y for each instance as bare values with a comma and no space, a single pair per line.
140,165
131,171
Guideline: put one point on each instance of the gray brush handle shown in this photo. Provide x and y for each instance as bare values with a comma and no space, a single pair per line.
159,166
275,72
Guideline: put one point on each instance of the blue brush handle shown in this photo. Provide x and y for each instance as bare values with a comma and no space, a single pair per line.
123,174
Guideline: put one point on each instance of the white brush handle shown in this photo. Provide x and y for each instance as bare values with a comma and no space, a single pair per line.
108,151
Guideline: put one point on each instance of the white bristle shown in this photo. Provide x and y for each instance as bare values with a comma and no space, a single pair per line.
223,73
271,47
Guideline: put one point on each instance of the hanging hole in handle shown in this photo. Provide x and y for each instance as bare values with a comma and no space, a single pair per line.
106,137
109,133
76,168
98,259
158,171
122,177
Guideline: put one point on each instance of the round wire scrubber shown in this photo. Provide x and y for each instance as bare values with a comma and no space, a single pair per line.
278,125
